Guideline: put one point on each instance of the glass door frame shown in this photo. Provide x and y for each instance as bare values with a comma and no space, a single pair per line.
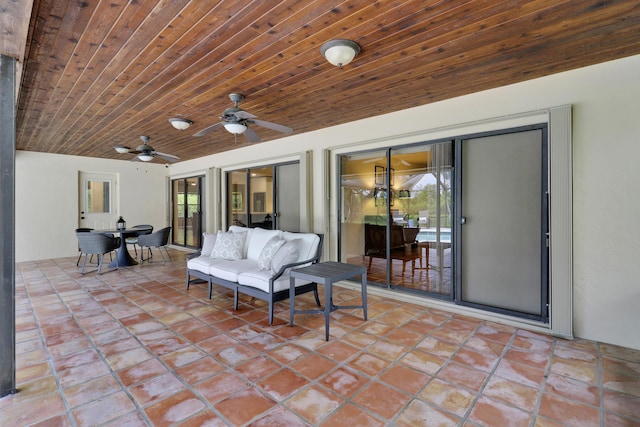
387,178
266,200
196,227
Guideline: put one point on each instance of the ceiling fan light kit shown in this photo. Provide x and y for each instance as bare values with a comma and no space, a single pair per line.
235,128
340,52
145,157
180,123
122,149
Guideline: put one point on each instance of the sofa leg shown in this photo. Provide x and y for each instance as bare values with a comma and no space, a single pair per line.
210,286
188,282
270,312
235,299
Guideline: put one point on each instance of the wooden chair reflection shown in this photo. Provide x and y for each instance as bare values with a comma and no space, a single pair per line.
375,246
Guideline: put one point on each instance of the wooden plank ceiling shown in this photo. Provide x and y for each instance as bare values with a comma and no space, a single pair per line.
101,73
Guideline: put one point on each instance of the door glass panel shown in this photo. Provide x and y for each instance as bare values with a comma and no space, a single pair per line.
423,207
287,197
237,198
187,206
396,216
193,217
363,213
98,196
178,212
261,197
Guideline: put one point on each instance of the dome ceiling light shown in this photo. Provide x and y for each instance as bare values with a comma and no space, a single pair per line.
340,52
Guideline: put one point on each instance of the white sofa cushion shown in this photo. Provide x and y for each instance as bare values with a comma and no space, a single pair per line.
249,231
208,240
258,240
202,263
230,270
307,245
287,254
228,245
269,250
260,279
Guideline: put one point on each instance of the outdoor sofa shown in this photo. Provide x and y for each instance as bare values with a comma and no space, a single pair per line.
255,262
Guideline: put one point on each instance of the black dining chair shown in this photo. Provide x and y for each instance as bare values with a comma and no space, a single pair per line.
97,244
157,239
133,240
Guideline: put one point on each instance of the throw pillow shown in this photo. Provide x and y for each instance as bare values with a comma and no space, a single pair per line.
209,242
228,245
269,250
287,254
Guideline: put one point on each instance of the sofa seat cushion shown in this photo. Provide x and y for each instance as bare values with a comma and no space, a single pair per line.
230,269
202,263
259,279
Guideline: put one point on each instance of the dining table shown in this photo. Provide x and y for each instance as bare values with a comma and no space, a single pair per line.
123,258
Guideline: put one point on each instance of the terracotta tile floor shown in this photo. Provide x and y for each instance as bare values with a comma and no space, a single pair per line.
135,348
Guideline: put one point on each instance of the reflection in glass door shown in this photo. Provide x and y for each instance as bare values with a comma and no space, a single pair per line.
396,209
265,197
187,212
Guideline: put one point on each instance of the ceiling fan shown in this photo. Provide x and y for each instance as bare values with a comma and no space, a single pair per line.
237,121
145,152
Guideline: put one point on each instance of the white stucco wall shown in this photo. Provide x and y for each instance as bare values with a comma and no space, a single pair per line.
606,181
606,185
47,200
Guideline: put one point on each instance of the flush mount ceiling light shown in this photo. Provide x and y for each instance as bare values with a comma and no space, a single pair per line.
340,52
122,149
179,123
235,128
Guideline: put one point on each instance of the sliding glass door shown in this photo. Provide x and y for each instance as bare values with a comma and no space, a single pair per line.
265,197
396,211
187,211
461,219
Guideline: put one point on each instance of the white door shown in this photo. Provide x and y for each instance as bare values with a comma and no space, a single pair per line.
97,200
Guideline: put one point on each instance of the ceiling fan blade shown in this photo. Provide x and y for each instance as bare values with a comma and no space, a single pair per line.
244,115
209,129
273,126
168,157
251,135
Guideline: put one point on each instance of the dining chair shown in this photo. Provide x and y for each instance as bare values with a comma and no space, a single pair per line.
133,240
157,239
82,230
97,244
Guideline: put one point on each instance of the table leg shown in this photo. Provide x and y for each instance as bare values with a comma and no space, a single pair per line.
363,281
292,296
123,257
328,303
